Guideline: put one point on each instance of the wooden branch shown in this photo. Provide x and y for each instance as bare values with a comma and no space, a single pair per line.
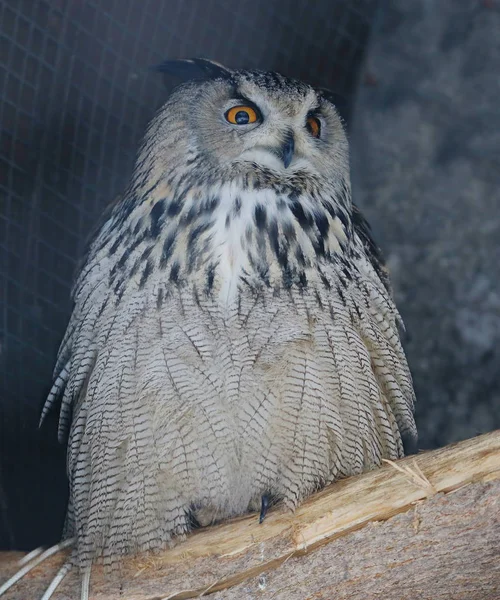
441,539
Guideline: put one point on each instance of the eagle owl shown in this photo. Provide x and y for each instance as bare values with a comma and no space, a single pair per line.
233,339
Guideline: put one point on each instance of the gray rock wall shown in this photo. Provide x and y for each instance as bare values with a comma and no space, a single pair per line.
426,172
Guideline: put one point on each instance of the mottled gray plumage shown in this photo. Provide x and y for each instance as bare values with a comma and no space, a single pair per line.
233,334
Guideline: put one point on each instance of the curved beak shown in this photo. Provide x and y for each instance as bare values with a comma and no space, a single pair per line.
287,150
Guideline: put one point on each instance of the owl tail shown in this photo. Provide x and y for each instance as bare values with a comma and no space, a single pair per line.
33,559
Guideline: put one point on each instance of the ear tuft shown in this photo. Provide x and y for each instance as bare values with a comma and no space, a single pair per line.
193,69
334,97
338,100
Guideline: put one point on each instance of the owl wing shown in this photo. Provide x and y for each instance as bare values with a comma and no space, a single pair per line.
373,252
383,336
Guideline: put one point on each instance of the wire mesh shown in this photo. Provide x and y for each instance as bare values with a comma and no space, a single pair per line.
75,97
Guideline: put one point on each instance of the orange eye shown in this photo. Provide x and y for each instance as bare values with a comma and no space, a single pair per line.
242,115
313,125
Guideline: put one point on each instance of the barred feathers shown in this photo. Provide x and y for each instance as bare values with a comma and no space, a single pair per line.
233,334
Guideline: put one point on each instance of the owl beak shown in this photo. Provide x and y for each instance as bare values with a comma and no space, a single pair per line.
287,150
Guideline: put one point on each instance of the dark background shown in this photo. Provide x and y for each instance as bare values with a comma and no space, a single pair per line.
418,83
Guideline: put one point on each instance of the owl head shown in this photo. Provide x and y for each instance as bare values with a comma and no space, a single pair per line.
232,122
240,169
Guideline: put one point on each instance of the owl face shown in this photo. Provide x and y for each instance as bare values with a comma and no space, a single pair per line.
240,121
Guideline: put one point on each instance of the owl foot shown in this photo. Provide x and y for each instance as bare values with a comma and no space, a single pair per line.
264,507
33,559
410,443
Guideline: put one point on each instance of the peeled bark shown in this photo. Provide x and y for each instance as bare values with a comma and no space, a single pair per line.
426,527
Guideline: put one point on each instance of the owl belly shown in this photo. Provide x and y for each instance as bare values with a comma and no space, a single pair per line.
251,406
194,408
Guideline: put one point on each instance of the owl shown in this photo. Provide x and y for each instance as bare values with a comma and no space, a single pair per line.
234,341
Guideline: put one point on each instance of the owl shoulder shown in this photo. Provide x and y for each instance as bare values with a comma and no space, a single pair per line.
374,254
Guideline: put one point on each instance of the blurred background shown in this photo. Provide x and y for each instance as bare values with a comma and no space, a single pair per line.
418,84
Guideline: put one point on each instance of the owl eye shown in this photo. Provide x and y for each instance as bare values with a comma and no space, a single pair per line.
242,115
313,126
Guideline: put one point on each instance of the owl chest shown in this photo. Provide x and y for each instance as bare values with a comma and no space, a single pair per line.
252,240
240,350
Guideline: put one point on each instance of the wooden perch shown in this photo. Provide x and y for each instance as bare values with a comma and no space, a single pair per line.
440,539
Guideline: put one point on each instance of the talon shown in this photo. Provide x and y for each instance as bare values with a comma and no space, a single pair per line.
410,443
263,508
